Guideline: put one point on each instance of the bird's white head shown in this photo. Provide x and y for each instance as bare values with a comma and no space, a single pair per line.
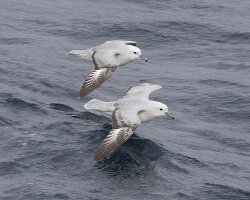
159,109
154,110
128,54
134,52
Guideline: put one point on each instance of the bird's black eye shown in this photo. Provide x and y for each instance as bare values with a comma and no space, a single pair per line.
160,108
135,53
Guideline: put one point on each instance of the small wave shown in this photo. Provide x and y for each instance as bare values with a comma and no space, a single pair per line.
60,196
178,162
62,156
62,126
5,122
224,106
229,65
226,165
15,41
12,167
173,167
189,160
218,191
20,104
234,38
236,143
90,116
52,88
226,141
221,83
151,33
181,195
134,157
61,107
34,191
70,160
96,136
41,23
204,32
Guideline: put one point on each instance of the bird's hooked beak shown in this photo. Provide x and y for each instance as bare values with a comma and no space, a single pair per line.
144,59
170,117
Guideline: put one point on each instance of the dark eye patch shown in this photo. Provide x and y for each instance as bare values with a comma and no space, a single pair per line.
117,54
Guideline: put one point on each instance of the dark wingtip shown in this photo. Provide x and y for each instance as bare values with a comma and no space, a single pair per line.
145,82
132,44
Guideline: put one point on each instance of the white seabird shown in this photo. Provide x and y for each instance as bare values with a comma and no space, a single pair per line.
127,114
106,58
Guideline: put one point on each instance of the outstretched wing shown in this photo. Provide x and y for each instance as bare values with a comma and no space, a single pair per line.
123,127
114,139
95,79
143,90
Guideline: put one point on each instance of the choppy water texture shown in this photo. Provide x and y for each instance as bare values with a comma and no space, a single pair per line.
198,50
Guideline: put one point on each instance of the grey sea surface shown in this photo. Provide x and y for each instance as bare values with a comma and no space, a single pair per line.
199,51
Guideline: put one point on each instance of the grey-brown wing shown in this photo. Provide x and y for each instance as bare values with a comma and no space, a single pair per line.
125,121
114,139
95,79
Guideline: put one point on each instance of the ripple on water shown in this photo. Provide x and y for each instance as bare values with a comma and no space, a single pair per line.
138,156
219,191
12,167
15,41
61,107
20,104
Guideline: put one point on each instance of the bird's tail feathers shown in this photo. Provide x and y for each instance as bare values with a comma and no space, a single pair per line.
83,54
98,105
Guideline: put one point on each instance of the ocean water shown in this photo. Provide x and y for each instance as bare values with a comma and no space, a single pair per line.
199,51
